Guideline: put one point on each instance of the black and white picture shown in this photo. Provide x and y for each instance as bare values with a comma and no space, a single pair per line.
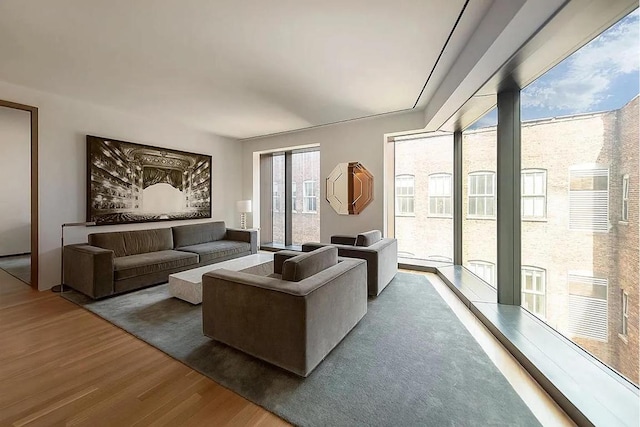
129,182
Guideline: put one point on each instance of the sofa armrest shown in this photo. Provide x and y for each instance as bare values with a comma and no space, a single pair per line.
280,257
89,269
312,246
341,239
249,236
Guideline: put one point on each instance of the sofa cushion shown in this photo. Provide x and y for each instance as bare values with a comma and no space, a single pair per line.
368,238
219,249
125,243
306,265
194,234
138,265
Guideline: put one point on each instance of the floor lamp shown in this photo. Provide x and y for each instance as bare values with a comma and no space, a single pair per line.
60,287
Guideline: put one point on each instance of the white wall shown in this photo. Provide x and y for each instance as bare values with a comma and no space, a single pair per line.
15,176
63,125
359,140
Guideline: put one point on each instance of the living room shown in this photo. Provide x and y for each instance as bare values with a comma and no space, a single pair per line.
338,82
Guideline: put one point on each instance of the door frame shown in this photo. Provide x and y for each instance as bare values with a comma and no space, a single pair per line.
34,184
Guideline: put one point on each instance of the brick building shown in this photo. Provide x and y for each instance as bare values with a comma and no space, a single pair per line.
305,218
580,240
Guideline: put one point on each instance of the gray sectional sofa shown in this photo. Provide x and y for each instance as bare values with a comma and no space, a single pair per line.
380,253
291,318
115,262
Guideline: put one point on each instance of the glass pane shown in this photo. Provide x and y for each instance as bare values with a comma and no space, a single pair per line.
277,162
421,235
593,94
479,231
305,168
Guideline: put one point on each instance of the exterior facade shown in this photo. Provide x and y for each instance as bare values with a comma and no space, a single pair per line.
580,240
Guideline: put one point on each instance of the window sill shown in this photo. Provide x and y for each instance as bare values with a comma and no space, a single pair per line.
624,338
587,390
406,215
439,216
482,218
623,222
535,220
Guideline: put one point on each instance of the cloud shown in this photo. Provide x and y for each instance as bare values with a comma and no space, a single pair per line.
583,80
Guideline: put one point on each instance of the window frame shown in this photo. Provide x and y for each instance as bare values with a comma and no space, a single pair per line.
294,196
624,214
306,197
592,168
430,196
471,264
536,294
523,196
485,196
624,327
405,197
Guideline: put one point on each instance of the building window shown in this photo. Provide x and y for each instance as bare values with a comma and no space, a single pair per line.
484,270
625,198
276,197
589,199
625,313
588,308
404,254
482,200
534,193
294,196
534,290
405,193
310,197
440,195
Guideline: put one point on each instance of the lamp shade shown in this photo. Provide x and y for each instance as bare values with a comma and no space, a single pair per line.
243,206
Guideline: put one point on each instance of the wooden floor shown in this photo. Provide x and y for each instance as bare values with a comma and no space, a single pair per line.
62,365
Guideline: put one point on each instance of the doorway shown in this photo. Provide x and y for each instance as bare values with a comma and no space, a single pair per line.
19,194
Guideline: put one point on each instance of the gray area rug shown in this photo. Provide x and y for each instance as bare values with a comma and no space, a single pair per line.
18,266
408,362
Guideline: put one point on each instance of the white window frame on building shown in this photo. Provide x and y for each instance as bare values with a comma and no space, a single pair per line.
625,198
624,331
534,290
440,195
276,197
294,196
588,314
487,198
310,199
588,204
485,270
533,194
405,195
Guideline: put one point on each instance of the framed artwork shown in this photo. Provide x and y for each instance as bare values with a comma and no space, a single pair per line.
129,183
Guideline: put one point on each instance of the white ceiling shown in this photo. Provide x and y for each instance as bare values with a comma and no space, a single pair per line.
235,68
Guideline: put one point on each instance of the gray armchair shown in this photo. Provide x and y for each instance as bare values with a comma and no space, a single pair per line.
292,318
381,256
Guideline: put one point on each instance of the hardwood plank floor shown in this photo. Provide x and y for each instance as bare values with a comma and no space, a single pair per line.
62,365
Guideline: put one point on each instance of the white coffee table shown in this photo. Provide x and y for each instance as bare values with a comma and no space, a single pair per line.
187,285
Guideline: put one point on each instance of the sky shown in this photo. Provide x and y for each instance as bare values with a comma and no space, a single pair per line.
603,75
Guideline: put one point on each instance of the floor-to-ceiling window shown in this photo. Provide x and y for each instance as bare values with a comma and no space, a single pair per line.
479,198
278,205
424,196
579,159
306,197
294,174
